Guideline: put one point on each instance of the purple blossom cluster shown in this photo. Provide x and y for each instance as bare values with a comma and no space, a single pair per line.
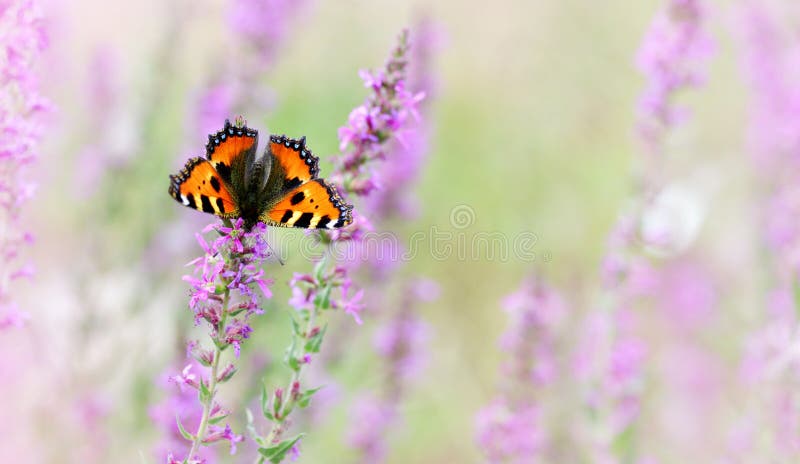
511,433
394,196
402,344
227,284
307,289
258,29
383,116
263,24
401,339
22,39
610,360
374,416
770,360
672,57
234,261
181,402
770,59
510,429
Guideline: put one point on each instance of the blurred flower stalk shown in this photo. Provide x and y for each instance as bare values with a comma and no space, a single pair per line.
22,39
513,428
611,358
611,353
768,424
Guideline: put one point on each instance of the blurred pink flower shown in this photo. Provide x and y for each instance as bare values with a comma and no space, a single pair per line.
373,417
262,24
22,39
215,104
509,429
183,403
511,433
687,294
402,342
673,57
534,313
770,362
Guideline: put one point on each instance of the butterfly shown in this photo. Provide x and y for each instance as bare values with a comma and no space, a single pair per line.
280,188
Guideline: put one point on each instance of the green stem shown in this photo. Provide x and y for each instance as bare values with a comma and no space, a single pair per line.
288,405
212,382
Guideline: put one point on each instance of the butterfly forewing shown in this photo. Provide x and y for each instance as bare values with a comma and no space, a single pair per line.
292,163
230,150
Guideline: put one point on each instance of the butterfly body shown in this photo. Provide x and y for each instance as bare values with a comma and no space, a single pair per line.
279,188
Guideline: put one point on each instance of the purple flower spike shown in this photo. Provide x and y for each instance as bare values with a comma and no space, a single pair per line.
510,429
222,297
21,113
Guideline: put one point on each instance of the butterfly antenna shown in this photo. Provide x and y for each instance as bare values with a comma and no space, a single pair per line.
275,254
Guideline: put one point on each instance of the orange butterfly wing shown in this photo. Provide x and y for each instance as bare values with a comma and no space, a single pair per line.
312,205
229,149
201,187
292,160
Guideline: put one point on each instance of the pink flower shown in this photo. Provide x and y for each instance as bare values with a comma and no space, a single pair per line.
21,112
510,433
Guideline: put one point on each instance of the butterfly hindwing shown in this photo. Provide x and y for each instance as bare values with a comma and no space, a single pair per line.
198,185
312,205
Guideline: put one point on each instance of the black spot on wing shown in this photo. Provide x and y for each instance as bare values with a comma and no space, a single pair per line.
206,204
323,221
215,184
297,198
286,216
224,171
220,206
304,221
292,183
190,198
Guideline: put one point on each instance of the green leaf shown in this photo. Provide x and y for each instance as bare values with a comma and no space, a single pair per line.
277,405
235,312
188,436
290,351
276,453
217,419
265,410
305,397
314,343
200,359
323,299
295,327
318,268
205,393
251,427
293,363
624,442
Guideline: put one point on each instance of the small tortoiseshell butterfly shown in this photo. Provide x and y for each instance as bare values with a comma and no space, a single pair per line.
280,188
